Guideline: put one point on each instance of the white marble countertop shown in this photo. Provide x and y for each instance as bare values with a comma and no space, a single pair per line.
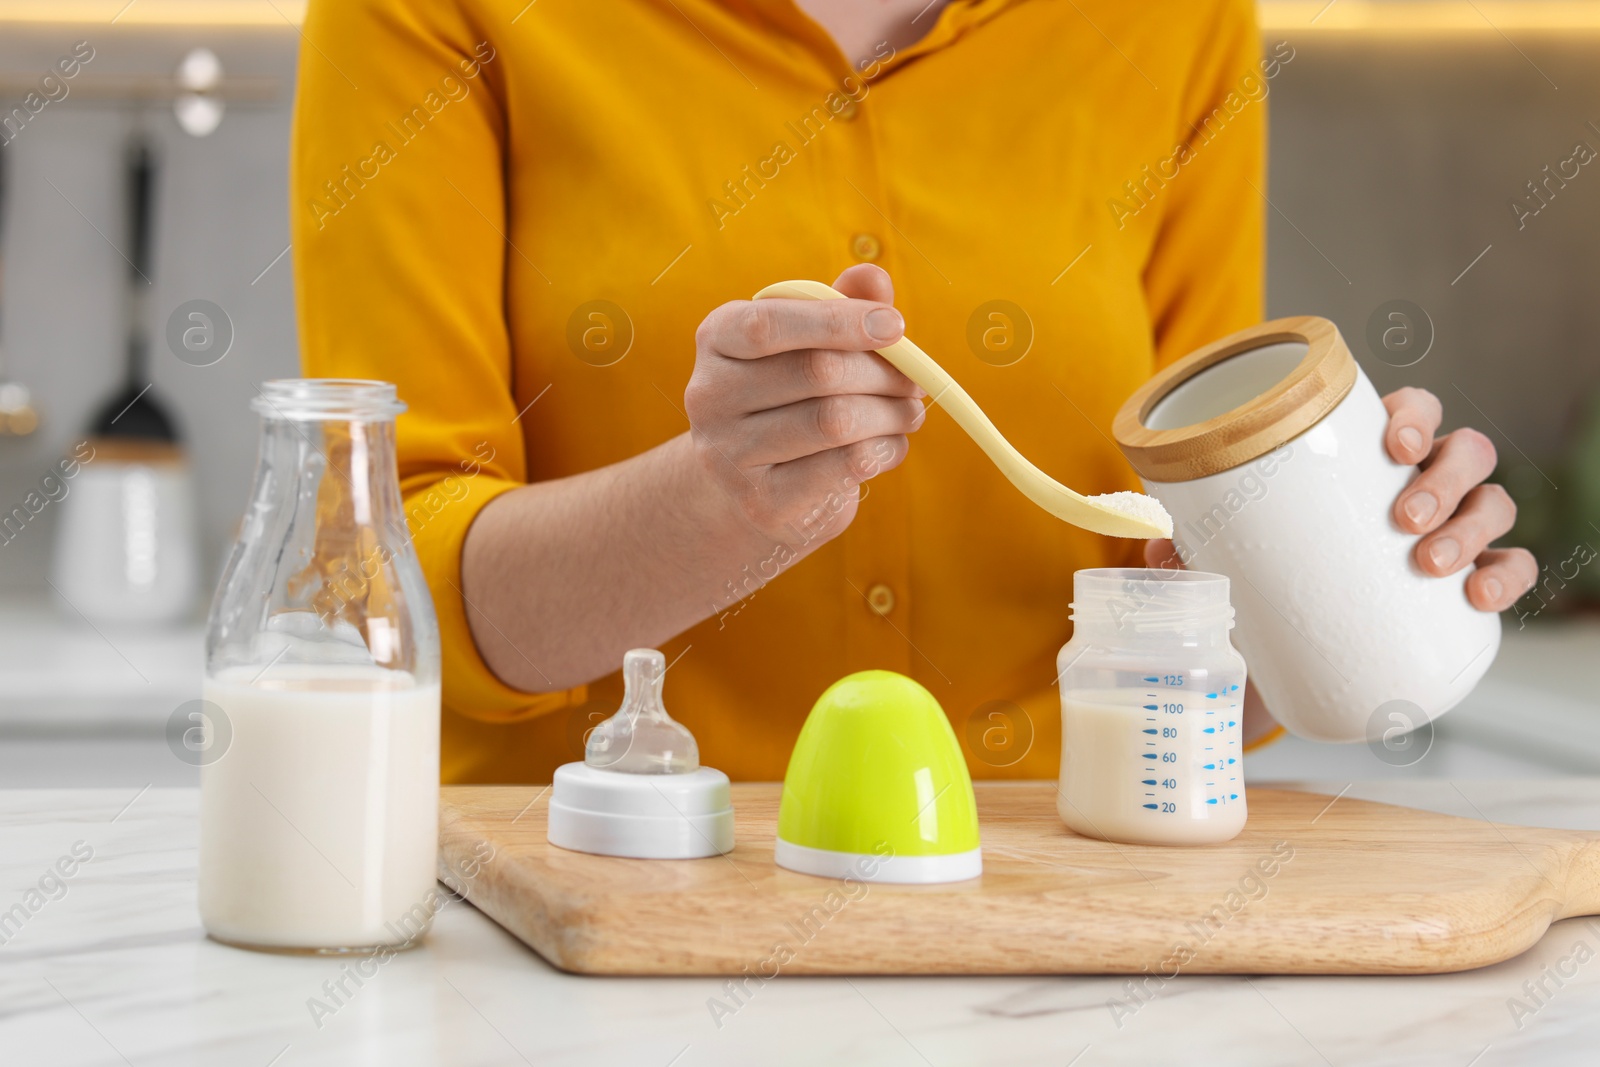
116,971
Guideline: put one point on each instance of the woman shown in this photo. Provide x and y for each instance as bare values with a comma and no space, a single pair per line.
537,220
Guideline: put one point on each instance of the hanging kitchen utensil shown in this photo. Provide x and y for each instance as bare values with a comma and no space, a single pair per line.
133,412
125,546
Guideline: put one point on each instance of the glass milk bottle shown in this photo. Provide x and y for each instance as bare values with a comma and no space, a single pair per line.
319,788
1152,694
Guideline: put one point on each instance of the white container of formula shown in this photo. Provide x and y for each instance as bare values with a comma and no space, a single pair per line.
1267,447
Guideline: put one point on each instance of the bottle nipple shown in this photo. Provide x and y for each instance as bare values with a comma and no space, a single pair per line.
641,738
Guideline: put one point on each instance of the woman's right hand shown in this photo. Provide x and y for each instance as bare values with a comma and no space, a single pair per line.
790,410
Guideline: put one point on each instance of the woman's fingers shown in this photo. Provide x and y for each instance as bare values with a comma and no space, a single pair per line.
1461,461
754,329
1162,553
1414,416
789,377
821,424
866,281
1450,504
1486,513
791,409
807,496
1503,575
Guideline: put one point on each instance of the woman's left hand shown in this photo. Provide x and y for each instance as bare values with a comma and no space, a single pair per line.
1449,503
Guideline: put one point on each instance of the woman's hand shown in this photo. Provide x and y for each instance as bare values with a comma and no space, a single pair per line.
789,413
790,410
1448,502
1451,505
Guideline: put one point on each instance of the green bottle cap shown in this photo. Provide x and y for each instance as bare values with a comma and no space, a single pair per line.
877,787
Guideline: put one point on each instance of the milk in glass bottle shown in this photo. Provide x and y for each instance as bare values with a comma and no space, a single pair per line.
319,791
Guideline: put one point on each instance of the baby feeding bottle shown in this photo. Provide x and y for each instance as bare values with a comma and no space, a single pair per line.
1151,699
640,791
319,779
1267,448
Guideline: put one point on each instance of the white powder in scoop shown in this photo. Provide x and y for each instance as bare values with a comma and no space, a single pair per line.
1137,506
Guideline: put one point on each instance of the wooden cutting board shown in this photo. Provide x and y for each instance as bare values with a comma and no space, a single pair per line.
1313,886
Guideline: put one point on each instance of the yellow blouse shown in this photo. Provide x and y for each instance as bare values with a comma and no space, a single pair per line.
519,213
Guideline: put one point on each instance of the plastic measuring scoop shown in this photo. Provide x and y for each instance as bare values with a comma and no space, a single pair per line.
1125,514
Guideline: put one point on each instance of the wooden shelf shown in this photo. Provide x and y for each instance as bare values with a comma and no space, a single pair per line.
273,14
1429,17
1277,16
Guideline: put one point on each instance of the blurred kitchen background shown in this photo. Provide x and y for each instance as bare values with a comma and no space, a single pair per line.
1402,134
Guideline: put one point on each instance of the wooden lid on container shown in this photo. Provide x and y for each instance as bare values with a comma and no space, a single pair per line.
1249,431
